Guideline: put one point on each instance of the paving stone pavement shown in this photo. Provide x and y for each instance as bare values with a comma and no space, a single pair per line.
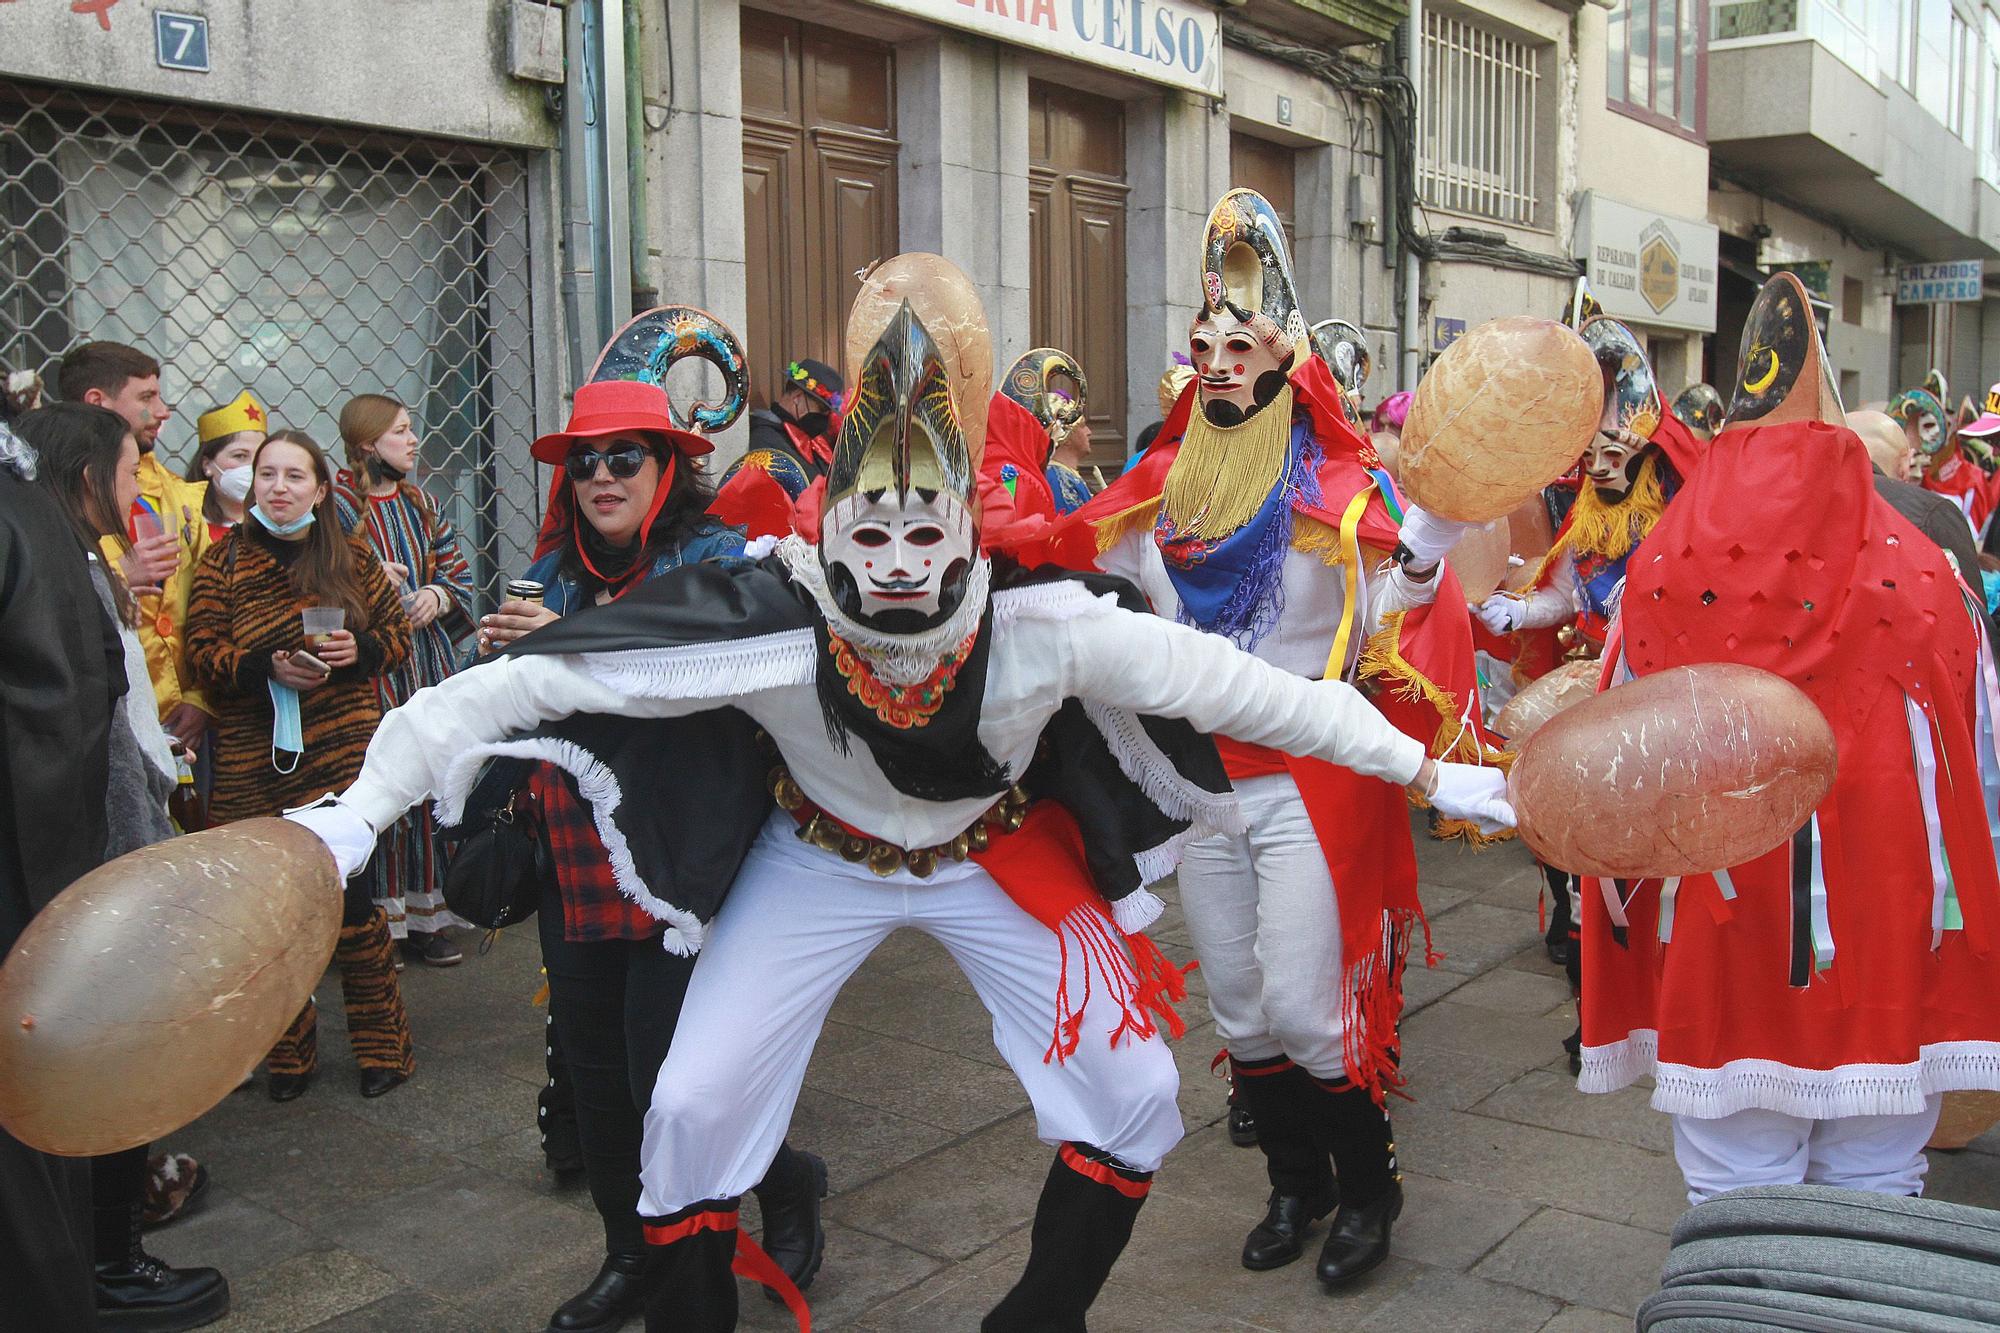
1531,1207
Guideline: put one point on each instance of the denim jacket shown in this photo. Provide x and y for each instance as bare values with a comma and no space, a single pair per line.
711,540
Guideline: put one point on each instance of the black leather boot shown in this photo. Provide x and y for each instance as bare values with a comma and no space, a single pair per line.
619,1291
1358,1240
789,1197
1082,1222
1371,1190
139,1293
1286,1104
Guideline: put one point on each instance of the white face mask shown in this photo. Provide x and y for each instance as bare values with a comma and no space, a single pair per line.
234,482
1230,357
898,554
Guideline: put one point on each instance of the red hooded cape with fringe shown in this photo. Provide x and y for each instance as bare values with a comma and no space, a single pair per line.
1420,665
1778,554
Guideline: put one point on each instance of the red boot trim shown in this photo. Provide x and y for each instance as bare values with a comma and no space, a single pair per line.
708,1219
759,1267
1103,1173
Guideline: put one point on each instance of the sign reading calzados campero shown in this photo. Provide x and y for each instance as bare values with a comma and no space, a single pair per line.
1648,267
1177,42
1937,284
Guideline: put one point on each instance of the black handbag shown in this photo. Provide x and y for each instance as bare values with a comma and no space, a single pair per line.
497,873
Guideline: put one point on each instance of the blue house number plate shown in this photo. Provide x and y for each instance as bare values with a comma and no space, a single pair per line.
181,41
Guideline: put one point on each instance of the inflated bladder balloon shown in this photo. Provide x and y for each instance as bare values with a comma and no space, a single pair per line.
1480,559
947,304
1684,772
1525,714
1505,411
1530,534
144,993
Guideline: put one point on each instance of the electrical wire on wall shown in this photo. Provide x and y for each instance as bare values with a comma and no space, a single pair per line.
1388,89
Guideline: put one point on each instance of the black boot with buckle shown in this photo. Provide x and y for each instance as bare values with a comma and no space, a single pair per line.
142,1294
1371,1189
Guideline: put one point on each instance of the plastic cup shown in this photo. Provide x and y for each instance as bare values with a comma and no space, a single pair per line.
320,622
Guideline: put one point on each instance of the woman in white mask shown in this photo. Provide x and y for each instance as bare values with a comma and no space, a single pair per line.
229,437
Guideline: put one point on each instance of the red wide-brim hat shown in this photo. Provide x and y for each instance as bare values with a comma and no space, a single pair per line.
618,407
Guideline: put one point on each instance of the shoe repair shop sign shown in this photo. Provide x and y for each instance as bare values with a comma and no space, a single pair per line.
1176,42
1941,284
1646,267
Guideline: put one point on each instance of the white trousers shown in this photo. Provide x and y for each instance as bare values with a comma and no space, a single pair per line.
1260,907
1883,1154
797,924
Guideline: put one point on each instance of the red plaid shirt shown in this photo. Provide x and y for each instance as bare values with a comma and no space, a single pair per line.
593,908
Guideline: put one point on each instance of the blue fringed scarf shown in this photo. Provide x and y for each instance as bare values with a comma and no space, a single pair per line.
1235,585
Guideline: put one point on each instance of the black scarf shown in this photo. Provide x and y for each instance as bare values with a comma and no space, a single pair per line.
943,760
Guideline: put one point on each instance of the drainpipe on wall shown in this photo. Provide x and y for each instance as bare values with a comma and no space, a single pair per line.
597,259
644,294
1412,322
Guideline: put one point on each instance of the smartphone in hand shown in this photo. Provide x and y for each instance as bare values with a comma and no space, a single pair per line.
306,659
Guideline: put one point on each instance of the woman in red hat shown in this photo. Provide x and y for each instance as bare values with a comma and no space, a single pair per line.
630,504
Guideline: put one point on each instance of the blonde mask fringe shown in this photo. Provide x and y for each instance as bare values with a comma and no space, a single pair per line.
1223,474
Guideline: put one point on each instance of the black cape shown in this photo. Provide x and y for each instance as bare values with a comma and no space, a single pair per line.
690,793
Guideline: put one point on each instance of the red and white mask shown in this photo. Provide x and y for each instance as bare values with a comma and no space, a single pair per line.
1233,356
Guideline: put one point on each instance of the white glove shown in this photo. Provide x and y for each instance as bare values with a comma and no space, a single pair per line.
1429,538
1479,794
1501,613
346,834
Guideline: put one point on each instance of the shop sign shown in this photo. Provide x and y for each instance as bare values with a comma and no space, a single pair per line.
1647,267
1939,284
1177,42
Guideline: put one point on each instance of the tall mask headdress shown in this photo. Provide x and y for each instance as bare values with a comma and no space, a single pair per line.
652,343
1583,306
1923,419
900,533
1700,408
1050,384
1631,398
1782,374
1344,348
1247,287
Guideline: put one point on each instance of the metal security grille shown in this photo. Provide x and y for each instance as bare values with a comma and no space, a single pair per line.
302,262
1480,92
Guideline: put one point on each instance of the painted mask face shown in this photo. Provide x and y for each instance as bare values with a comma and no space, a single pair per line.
1611,463
898,538
1239,365
1922,418
899,557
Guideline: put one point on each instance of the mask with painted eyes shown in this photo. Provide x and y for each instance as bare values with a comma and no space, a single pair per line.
1250,330
1632,408
1922,418
898,538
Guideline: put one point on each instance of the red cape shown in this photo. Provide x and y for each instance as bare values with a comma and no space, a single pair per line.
1779,554
1421,664
1016,522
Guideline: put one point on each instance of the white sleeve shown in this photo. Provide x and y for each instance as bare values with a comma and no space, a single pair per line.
417,741
1390,589
1153,665
1556,603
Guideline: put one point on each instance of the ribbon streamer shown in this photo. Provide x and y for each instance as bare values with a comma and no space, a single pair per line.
1926,759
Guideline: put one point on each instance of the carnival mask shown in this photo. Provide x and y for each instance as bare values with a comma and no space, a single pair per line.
1249,330
1700,409
1922,418
1783,374
1051,385
898,537
1239,360
1631,408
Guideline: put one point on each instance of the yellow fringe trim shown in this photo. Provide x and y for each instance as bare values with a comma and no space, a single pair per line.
1112,530
1610,530
1223,474
1312,537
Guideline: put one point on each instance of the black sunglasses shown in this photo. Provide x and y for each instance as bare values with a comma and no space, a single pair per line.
624,463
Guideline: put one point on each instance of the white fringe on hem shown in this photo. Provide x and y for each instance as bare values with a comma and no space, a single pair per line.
1137,910
1813,1094
1141,761
596,784
720,671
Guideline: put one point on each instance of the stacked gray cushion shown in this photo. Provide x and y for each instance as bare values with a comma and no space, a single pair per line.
1814,1257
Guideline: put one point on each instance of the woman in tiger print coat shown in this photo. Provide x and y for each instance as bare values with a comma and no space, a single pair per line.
243,629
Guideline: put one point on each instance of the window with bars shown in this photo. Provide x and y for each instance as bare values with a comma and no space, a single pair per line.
1482,95
302,262
1656,63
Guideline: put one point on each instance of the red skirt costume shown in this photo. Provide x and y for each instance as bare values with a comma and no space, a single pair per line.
1850,972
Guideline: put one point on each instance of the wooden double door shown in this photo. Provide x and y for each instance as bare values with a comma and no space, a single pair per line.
819,185
1076,246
